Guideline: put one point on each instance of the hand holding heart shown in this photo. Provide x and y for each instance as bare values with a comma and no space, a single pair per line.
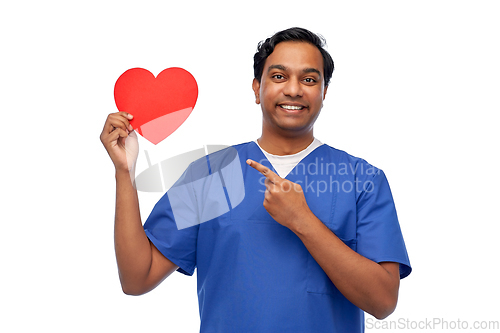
283,200
120,140
153,106
159,104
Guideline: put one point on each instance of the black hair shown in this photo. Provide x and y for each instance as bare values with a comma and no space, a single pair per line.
265,48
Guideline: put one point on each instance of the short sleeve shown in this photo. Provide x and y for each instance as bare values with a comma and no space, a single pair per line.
179,246
201,194
379,236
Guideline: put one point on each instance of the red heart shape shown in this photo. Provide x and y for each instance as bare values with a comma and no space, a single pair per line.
159,105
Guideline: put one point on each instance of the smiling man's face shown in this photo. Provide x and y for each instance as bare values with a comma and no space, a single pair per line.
292,89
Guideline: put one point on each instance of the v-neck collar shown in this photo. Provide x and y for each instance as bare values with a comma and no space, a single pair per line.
269,164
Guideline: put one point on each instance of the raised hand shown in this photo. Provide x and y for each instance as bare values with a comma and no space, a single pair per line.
120,141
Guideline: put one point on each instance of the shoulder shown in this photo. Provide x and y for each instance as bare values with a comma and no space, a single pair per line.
244,146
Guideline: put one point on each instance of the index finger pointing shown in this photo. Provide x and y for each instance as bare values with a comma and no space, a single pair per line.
268,173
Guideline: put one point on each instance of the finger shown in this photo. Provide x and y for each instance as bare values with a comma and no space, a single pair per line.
113,122
126,115
122,114
132,134
269,184
268,173
112,138
119,119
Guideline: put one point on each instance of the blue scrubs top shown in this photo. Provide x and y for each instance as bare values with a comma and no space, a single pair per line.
255,275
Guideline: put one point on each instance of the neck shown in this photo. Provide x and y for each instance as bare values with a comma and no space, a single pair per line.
284,145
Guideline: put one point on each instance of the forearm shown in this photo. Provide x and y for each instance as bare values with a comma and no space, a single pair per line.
371,286
132,247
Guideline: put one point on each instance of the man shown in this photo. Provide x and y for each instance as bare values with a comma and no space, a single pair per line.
315,241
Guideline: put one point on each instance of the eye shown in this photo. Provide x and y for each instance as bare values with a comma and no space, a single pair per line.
278,76
309,80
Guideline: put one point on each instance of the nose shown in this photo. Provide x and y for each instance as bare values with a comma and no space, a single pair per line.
293,88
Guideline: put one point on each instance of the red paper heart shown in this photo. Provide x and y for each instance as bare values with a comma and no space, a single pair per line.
159,105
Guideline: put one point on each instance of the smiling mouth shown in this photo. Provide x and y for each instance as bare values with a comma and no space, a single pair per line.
291,107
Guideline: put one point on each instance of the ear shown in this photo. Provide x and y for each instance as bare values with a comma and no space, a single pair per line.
256,90
324,92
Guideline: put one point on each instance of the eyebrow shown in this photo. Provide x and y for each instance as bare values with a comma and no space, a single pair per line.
312,70
283,68
280,67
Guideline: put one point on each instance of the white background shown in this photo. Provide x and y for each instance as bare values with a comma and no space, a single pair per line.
415,92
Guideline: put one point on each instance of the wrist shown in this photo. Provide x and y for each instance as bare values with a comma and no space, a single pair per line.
304,222
125,174
125,167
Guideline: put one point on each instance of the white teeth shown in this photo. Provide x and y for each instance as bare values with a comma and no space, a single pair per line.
291,107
